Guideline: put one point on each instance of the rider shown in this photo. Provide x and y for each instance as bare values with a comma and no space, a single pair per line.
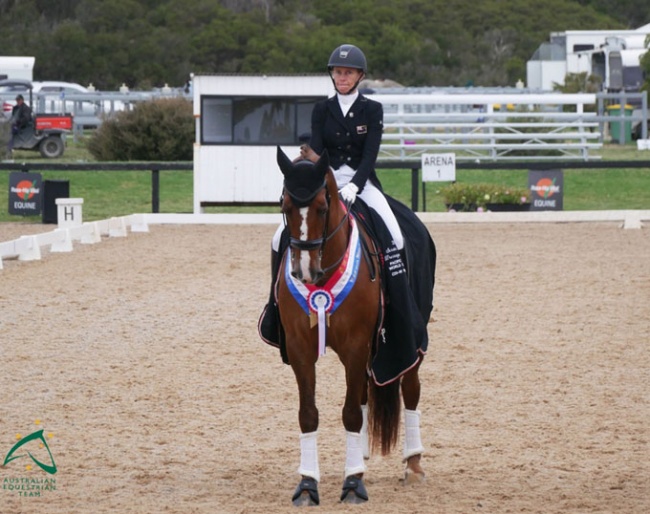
349,126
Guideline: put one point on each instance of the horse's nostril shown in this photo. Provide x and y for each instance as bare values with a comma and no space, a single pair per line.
316,276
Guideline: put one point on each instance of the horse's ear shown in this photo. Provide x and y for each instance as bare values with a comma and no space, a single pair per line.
284,162
323,162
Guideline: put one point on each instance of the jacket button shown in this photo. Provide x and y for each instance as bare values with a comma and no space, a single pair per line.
349,158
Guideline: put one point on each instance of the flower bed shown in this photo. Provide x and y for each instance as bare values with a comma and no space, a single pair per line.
484,197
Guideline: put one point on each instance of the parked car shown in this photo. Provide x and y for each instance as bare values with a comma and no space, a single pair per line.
7,108
9,91
54,97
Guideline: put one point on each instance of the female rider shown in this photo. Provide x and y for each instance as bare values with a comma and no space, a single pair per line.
349,126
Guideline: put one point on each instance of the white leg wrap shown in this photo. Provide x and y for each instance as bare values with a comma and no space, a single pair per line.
365,445
354,454
412,440
309,456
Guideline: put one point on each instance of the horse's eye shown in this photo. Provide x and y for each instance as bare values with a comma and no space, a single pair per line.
322,212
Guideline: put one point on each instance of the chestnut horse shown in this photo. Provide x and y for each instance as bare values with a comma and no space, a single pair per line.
329,293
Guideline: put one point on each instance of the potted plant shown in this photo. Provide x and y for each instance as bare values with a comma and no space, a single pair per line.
481,197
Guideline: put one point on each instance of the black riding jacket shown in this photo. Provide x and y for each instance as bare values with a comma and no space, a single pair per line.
353,140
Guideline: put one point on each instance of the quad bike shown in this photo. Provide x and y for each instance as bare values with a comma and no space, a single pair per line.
48,141
46,132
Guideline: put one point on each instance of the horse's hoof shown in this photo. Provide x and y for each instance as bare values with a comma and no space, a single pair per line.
354,491
412,478
306,494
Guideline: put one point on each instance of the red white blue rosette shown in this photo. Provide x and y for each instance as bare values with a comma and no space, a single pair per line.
320,299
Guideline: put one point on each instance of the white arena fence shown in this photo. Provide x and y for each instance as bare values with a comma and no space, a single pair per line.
59,240
28,247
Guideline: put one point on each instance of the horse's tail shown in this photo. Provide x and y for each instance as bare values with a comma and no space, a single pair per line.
384,405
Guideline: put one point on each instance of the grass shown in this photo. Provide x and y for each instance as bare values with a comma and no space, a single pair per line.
584,189
118,193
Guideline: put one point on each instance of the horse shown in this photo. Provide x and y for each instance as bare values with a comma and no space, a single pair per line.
329,293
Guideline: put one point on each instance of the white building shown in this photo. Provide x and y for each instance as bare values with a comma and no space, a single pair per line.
613,55
240,120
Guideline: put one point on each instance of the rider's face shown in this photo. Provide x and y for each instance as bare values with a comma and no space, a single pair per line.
345,78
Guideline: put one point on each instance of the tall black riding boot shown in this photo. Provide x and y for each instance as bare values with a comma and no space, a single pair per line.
268,325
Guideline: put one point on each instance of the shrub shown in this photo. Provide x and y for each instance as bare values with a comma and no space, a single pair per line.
156,130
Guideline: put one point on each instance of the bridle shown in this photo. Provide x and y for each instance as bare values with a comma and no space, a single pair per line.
318,243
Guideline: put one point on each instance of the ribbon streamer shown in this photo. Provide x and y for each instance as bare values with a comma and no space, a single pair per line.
322,328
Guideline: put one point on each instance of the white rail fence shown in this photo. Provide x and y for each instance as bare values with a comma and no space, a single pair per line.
489,126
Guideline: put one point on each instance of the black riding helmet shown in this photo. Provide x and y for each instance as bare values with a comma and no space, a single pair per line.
348,56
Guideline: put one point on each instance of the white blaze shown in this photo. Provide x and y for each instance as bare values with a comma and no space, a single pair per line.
304,256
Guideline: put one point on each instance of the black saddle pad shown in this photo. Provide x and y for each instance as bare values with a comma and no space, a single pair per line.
404,339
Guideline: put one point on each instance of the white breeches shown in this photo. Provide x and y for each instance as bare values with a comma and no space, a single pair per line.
375,199
275,242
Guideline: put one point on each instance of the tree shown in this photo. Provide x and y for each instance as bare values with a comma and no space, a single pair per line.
146,43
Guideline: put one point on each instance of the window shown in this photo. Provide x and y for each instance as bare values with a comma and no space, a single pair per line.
255,120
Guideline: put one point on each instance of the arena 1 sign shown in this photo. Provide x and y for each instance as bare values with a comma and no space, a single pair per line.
25,193
546,190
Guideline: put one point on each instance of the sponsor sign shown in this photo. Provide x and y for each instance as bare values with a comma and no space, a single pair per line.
546,190
25,193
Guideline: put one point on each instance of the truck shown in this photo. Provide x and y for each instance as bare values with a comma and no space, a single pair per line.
612,55
17,68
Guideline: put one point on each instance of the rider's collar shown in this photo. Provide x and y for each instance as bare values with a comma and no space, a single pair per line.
346,101
349,98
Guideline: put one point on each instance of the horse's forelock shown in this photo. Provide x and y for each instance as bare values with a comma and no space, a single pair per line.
303,182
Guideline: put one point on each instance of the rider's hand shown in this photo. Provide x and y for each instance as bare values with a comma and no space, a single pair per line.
349,193
308,154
